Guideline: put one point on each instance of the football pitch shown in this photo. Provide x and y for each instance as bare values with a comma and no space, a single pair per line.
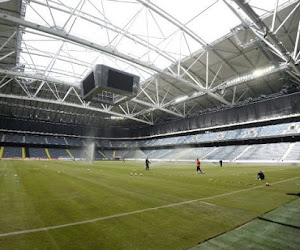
100,205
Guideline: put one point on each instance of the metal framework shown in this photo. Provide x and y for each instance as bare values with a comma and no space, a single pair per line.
217,74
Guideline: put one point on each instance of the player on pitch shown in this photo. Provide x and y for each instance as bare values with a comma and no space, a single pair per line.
147,162
198,167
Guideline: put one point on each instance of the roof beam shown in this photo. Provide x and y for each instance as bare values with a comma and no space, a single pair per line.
7,41
157,107
192,34
68,37
74,105
172,20
86,43
268,37
7,55
184,28
245,78
46,79
104,23
35,77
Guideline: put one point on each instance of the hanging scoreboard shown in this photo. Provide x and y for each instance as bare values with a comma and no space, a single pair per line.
104,78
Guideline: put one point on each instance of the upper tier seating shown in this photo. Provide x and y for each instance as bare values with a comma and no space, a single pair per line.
116,144
128,144
17,138
53,140
141,143
106,143
272,130
209,136
188,139
88,142
35,139
150,142
293,128
74,141
182,140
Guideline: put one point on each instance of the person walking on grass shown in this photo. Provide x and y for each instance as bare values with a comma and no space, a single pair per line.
198,167
147,162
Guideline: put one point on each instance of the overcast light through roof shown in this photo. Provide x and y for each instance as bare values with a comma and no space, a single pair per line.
127,27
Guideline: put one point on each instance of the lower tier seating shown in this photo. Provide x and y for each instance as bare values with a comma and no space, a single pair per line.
37,153
56,153
283,151
12,152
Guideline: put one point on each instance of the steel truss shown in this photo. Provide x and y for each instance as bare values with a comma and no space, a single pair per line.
268,34
59,98
174,75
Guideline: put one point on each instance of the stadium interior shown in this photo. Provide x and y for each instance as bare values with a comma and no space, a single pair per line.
239,92
216,80
269,143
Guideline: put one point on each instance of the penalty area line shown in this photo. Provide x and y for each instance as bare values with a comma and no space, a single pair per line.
136,212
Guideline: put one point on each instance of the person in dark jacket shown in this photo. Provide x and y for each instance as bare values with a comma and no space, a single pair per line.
147,162
260,175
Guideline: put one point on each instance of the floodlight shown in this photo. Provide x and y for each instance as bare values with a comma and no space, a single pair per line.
182,98
261,72
116,117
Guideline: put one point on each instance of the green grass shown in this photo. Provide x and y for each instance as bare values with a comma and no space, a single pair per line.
258,234
55,193
277,229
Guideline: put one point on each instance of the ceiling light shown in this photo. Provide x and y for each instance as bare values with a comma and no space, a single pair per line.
180,99
261,72
116,117
257,73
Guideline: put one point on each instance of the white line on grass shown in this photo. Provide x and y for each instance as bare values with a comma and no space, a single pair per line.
135,212
210,204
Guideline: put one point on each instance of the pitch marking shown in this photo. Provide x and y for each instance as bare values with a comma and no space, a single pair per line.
135,212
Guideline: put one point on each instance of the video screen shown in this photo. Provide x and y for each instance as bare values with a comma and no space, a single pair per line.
119,81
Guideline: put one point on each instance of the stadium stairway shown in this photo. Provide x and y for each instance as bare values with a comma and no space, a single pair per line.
204,157
23,153
48,154
1,152
88,153
277,229
105,156
246,149
70,154
288,151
